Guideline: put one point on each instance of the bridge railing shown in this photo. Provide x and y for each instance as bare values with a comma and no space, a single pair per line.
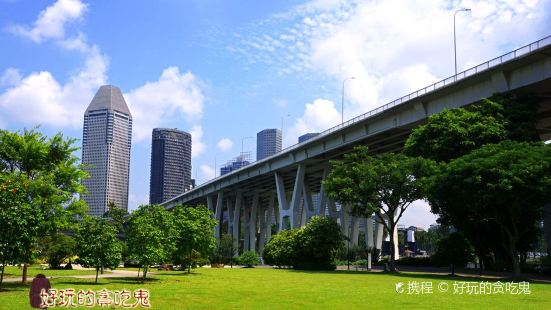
423,91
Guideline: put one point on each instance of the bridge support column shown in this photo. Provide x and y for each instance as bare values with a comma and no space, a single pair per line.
307,207
283,207
252,223
266,223
355,230
369,239
235,223
245,223
379,231
230,208
297,195
218,215
345,223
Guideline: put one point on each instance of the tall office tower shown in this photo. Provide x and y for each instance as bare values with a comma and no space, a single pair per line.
170,164
106,141
268,142
307,136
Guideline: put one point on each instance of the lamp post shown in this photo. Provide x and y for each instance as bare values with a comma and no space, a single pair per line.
342,98
454,36
243,141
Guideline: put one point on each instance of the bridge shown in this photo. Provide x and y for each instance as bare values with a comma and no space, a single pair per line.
285,188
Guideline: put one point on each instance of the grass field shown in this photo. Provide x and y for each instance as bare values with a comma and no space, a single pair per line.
261,288
16,272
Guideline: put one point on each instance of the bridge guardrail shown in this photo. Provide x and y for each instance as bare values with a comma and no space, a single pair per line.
423,91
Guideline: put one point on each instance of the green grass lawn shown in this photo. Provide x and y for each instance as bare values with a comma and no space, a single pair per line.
240,288
16,272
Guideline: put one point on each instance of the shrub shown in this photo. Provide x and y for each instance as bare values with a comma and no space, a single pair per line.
280,250
313,247
249,259
454,250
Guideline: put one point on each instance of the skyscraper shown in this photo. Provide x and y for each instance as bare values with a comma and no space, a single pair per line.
106,141
170,164
268,142
307,136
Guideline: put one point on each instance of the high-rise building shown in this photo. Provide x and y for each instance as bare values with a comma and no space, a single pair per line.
307,136
106,142
238,162
268,142
170,164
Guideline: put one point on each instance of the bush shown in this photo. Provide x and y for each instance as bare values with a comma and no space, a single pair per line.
313,247
454,250
248,259
280,250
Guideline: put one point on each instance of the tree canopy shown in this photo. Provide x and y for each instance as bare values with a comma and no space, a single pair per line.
384,184
150,235
502,185
194,232
98,245
45,180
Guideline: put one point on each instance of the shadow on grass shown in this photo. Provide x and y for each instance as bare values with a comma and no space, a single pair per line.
101,281
179,273
14,286
424,275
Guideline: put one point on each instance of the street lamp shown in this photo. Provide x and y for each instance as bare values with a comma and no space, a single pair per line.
342,99
454,37
243,141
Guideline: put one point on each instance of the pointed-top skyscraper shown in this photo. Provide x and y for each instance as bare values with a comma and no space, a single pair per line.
106,142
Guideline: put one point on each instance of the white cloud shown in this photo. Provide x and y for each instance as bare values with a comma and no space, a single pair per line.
10,77
198,146
418,214
207,173
173,95
51,102
51,22
225,144
318,116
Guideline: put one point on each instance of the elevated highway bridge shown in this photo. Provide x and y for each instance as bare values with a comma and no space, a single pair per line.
286,187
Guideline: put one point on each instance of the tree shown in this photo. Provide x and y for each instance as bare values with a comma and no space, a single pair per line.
98,245
48,183
224,250
194,231
317,244
503,186
454,250
454,133
385,184
150,236
248,259
281,249
56,248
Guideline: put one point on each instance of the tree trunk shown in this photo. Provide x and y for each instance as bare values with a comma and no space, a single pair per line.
97,272
392,261
2,276
145,272
24,277
516,265
190,260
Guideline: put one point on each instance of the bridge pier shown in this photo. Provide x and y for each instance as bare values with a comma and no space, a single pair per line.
252,223
235,223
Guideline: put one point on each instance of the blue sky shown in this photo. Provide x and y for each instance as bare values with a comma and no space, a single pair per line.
224,70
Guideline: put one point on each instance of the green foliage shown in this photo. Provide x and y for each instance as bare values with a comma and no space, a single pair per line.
39,180
314,246
224,250
56,248
98,245
150,235
503,186
280,250
384,184
194,231
317,244
428,240
248,259
454,250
